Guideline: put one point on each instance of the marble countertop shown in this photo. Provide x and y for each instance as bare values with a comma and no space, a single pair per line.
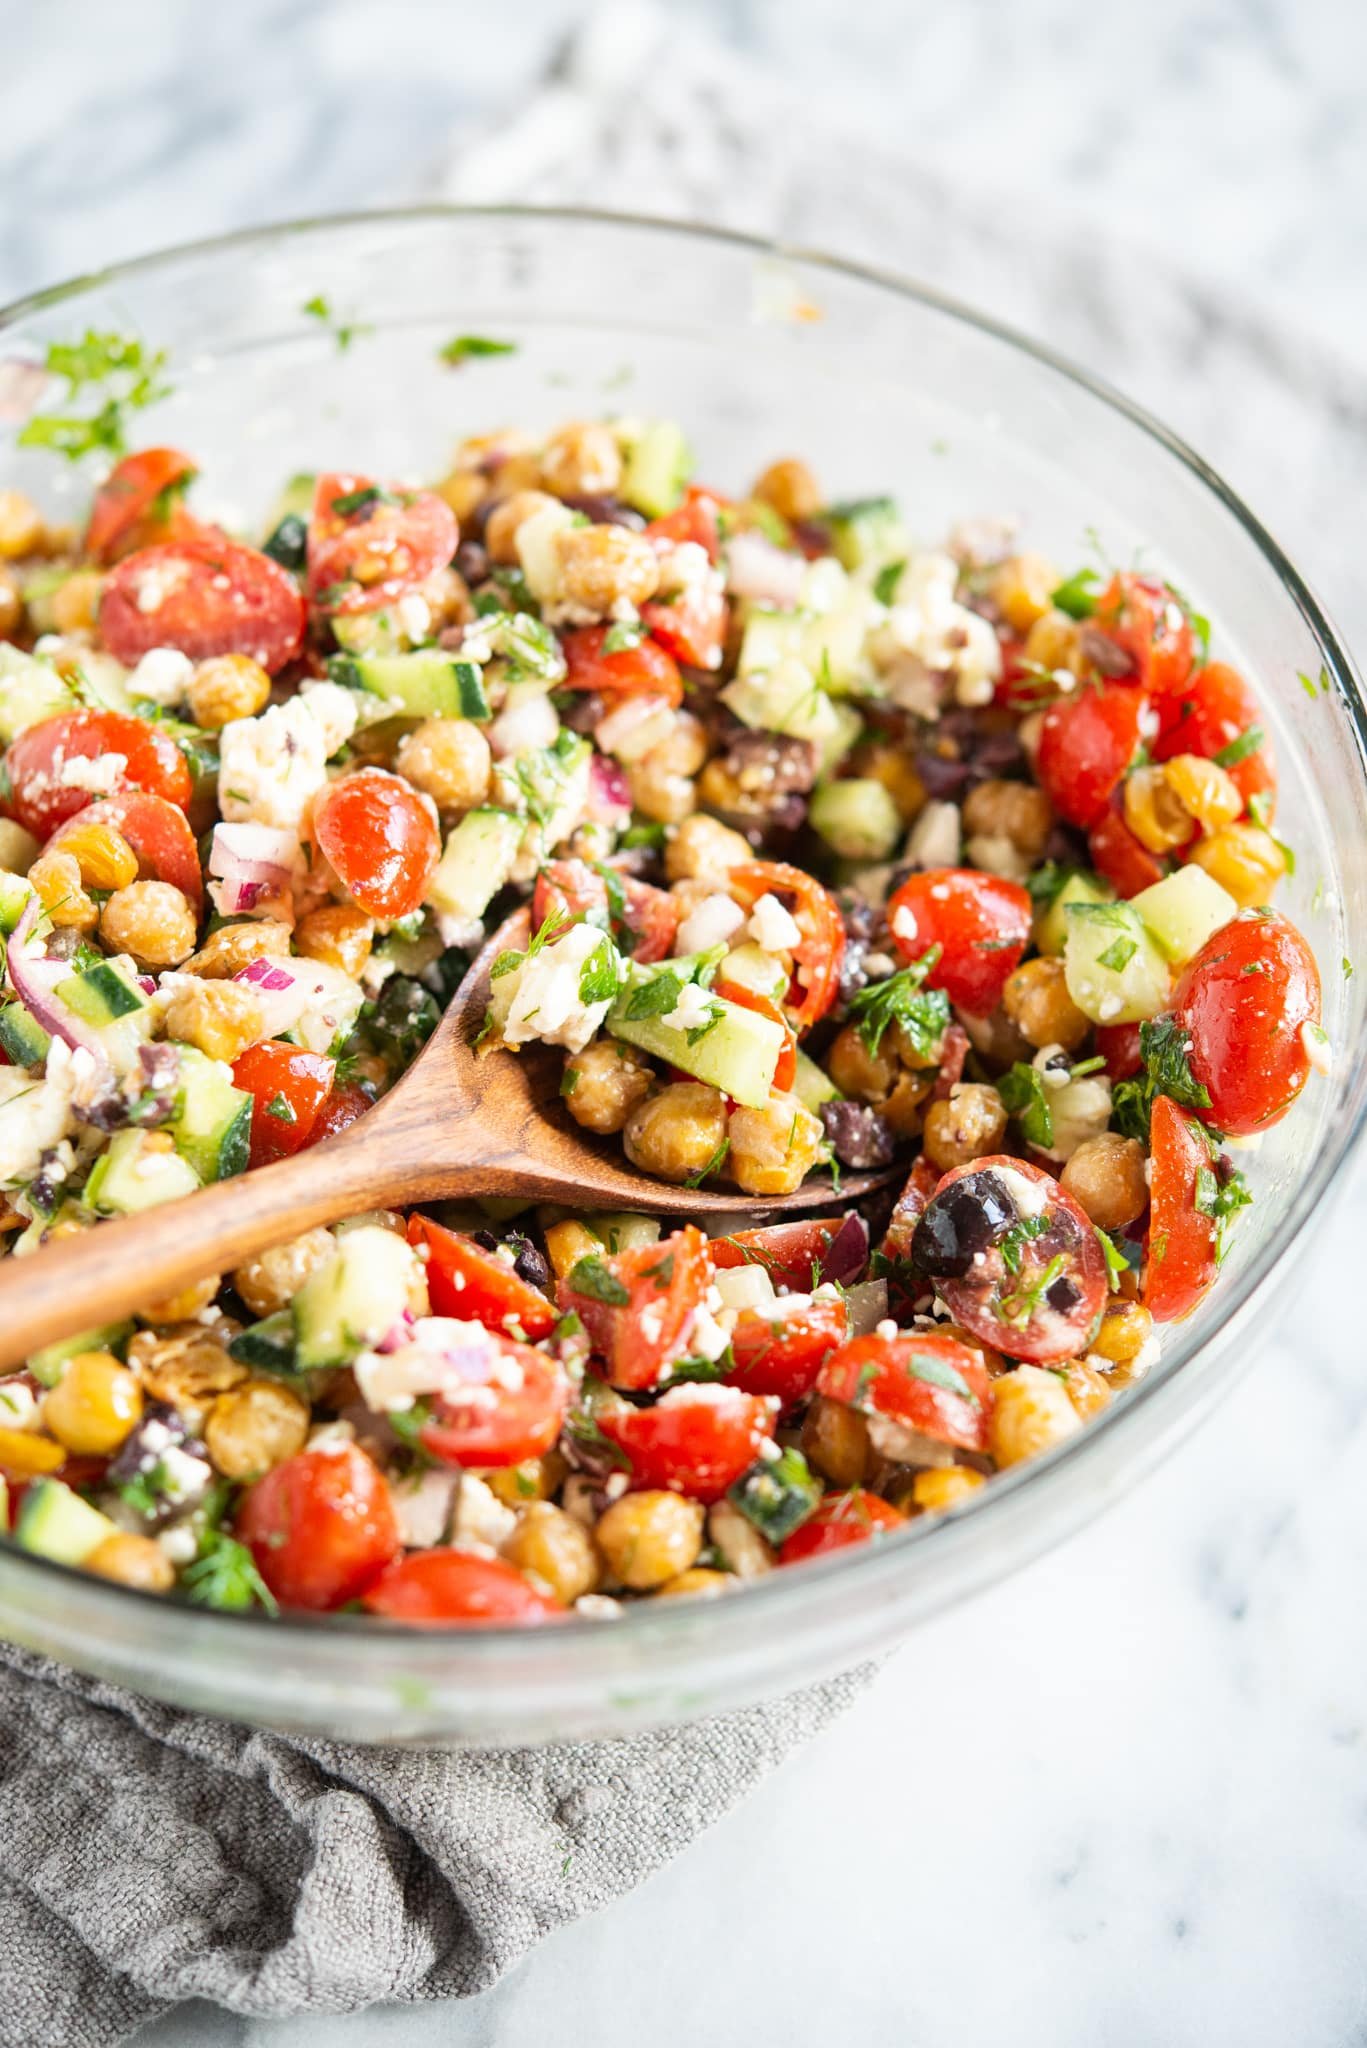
1148,1818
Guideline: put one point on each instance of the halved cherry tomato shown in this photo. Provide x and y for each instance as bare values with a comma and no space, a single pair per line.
1181,1263
1087,742
206,596
842,1519
1118,1045
368,543
690,625
1144,618
137,504
158,833
749,999
516,1413
1214,709
782,1353
290,1087
440,1588
320,1527
821,948
1245,1003
696,519
381,838
134,755
1015,1257
1121,859
664,1284
644,670
911,1206
340,1111
790,1253
932,1385
576,889
465,1280
980,922
696,1439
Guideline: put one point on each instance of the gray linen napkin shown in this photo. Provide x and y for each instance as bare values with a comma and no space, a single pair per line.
148,1856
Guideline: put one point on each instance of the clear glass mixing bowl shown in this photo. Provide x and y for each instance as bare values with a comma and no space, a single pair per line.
879,384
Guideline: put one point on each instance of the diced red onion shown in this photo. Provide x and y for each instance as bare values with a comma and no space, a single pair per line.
35,981
283,992
847,1254
252,862
769,575
609,800
867,1304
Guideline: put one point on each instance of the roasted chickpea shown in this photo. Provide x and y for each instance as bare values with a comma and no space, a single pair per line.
1154,812
869,1076
1031,1413
582,460
132,1560
567,1242
271,1280
557,1548
603,1084
1106,1174
517,1486
186,1365
221,1018
605,566
339,934
185,1306
11,604
1018,812
738,1542
773,1149
57,878
448,758
234,946
21,525
1037,1001
1052,643
1086,1387
895,768
511,512
18,848
226,687
76,602
970,1122
94,1405
102,854
700,1582
1023,588
677,1133
1205,789
1126,1328
254,1427
944,1486
1244,859
660,781
649,1538
704,847
151,920
790,488
835,1441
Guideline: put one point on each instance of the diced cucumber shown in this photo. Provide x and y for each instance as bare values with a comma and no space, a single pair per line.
133,1175
829,643
47,1365
369,633
620,1230
30,691
1051,925
550,783
658,466
55,1522
22,1038
1183,910
769,638
425,684
14,897
788,700
738,1054
476,862
288,542
100,995
857,818
811,1086
267,1346
865,530
1112,965
354,1300
212,1127
295,499
755,969
777,1495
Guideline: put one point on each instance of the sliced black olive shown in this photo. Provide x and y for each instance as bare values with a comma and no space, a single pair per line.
1064,1294
967,1219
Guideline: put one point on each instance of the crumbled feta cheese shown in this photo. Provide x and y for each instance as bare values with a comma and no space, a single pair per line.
1030,1196
481,1516
527,722
440,1352
162,676
772,927
635,726
18,1405
598,1606
539,556
414,615
933,841
272,767
712,923
102,774
423,1506
335,710
887,1329
180,1543
544,994
694,1008
34,1115
706,1337
331,1436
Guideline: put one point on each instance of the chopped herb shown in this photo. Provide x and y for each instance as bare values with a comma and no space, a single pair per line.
662,1272
1092,1066
1118,955
700,1031
360,501
598,975
713,1165
582,1424
922,1013
654,998
465,348
1048,882
224,1575
553,925
1023,1091
1238,750
343,332
591,1277
1018,1308
1311,687
936,1373
132,378
1077,596
886,581
569,1080
283,1110
699,1368
1221,1192
623,636
1013,1245
1116,1262
1167,1071
646,834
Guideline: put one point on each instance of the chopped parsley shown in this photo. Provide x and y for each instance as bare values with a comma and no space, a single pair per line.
922,1013
654,998
1023,1091
1238,750
553,925
623,636
598,975
1077,595
1221,1192
283,1110
1017,1308
466,348
1118,954
886,581
935,1372
1167,1071
343,332
1048,881
224,1575
1012,1246
130,376
362,500
592,1278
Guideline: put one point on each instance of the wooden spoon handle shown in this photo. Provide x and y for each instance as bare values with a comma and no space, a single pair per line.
118,1268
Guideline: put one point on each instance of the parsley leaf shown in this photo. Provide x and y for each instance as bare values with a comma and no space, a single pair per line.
282,1109
598,975
922,1013
1049,880
591,1277
343,332
886,581
654,998
224,1575
464,348
621,637
1238,750
1012,1246
1077,596
1221,1192
1167,1071
1023,1091
131,377
936,1373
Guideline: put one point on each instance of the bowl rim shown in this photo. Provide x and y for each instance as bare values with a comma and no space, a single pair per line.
1159,1392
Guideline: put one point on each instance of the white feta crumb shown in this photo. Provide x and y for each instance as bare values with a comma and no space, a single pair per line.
772,927
414,615
887,1329
180,1543
544,998
18,1405
334,709
271,767
527,723
706,1337
933,841
598,1606
715,920
481,1517
162,676
423,1506
102,774
694,1009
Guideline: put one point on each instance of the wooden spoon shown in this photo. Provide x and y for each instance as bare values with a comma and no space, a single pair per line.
458,1123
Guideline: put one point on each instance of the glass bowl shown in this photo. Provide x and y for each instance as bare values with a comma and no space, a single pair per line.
880,385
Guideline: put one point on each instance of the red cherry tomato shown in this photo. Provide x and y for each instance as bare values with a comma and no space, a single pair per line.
43,787
782,1353
927,1383
697,519
1214,709
1245,1002
206,596
320,1527
516,1413
381,838
842,1519
665,1283
158,833
791,1253
575,889
820,950
1121,859
695,1439
911,1206
340,1111
466,1281
443,1588
980,922
691,625
1181,1263
290,1087
138,503
1143,617
1118,1045
785,1073
644,670
1087,742
1047,1302
368,543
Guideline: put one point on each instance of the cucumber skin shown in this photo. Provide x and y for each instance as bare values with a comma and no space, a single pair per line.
739,1055
56,1523
475,863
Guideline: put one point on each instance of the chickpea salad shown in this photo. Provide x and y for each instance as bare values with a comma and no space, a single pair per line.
841,851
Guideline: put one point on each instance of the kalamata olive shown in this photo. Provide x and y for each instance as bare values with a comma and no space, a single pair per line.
1063,1295
604,511
968,1218
530,1264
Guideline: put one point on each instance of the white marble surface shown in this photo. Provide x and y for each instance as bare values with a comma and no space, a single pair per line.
1145,1816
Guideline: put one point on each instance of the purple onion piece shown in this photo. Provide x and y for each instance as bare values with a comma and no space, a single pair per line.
847,1254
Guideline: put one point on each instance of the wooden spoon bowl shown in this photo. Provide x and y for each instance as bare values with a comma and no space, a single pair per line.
459,1122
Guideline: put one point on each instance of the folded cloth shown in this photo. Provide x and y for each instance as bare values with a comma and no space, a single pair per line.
149,1856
